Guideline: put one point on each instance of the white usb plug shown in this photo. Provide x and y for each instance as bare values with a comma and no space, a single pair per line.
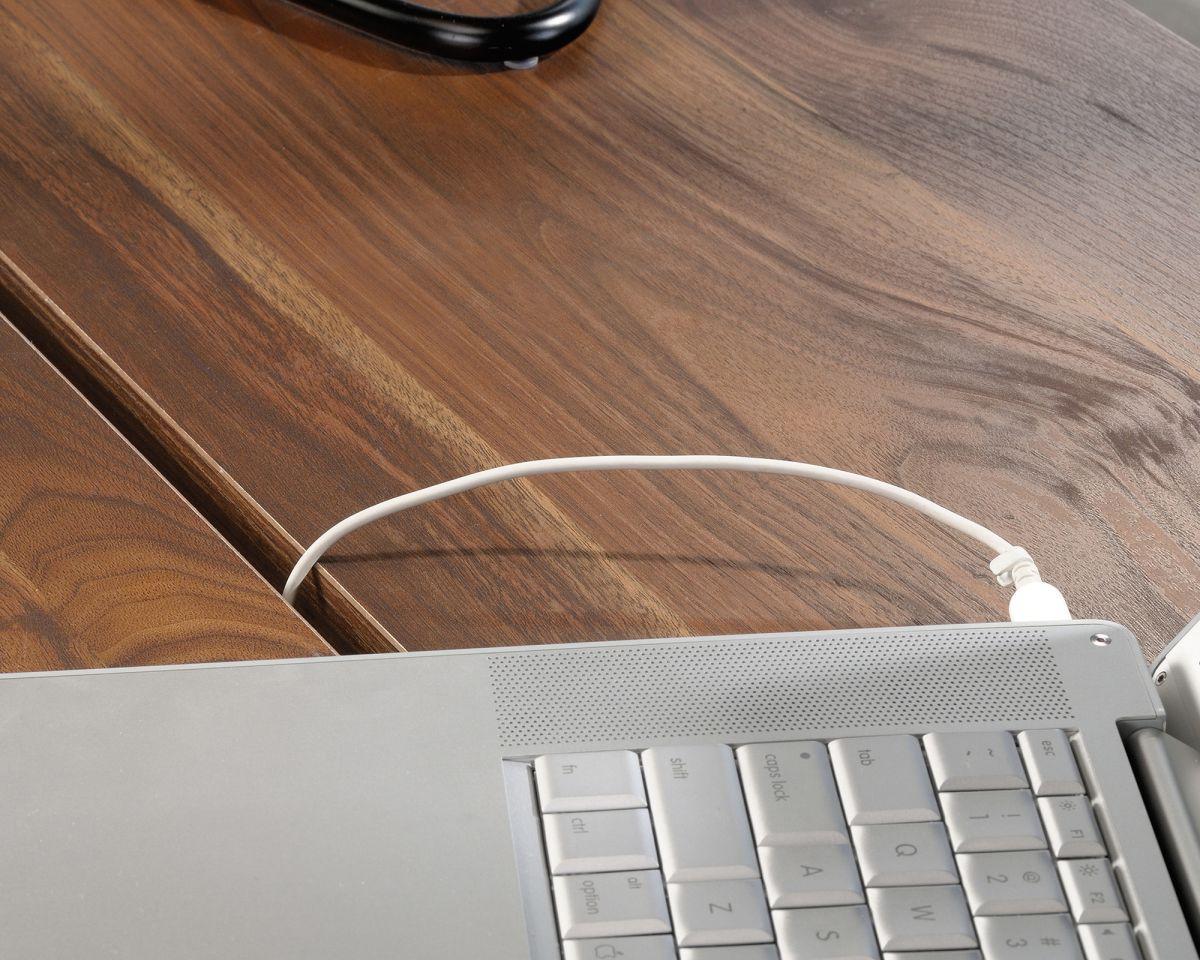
1033,600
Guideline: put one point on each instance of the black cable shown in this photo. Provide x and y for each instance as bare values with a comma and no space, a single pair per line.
456,36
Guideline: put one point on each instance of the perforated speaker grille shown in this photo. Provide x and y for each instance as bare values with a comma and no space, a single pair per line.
755,685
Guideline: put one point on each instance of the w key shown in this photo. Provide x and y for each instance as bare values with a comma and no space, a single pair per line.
922,918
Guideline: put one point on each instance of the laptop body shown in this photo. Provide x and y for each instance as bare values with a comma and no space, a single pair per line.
389,806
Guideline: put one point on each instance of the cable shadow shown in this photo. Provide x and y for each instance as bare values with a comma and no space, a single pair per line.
793,576
924,609
778,570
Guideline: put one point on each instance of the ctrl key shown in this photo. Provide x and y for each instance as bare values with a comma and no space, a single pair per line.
597,905
620,948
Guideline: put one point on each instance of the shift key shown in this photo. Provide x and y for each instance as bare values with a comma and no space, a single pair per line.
699,814
883,780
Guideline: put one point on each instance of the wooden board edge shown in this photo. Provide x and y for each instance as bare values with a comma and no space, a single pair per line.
184,464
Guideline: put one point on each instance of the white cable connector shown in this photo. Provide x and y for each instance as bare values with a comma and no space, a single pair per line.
1032,600
1014,566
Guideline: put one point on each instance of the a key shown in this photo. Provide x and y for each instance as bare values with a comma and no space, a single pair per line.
719,912
592,905
939,955
1092,891
974,761
624,948
1071,827
1109,941
822,876
991,820
825,933
1011,883
1047,937
883,780
904,854
760,951
699,814
600,841
1051,763
568,782
921,918
791,794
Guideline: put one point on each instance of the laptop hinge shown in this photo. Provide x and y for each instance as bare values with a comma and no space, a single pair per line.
1169,772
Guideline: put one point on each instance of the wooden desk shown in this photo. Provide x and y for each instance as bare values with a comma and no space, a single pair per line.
950,244
101,563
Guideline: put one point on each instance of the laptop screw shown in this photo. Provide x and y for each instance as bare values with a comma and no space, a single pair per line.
1160,678
1101,639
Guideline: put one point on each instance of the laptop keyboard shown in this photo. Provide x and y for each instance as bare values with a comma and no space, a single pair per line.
954,846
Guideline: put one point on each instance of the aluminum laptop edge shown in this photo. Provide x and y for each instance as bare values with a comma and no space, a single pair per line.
381,807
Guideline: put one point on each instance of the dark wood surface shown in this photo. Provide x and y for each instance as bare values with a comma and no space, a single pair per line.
954,245
102,564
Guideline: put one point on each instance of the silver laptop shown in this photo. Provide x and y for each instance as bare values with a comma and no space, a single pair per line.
986,792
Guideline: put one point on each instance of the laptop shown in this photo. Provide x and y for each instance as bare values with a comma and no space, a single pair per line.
979,792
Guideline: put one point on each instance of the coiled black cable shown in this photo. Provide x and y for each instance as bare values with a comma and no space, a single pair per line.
519,39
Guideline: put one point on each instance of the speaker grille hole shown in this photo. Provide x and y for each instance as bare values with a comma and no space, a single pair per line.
757,685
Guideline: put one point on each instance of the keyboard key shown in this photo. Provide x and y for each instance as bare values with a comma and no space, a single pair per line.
1109,941
1011,883
922,918
791,794
883,780
1071,826
904,854
991,820
592,905
939,955
974,761
621,948
1092,891
719,912
699,814
1050,762
600,841
762,951
826,933
1050,937
822,876
568,782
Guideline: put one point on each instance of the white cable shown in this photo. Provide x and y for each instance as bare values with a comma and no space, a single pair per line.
1011,565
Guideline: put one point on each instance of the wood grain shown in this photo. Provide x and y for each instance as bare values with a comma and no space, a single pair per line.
214,493
101,563
950,244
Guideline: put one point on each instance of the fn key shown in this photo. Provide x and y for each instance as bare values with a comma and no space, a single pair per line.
574,782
